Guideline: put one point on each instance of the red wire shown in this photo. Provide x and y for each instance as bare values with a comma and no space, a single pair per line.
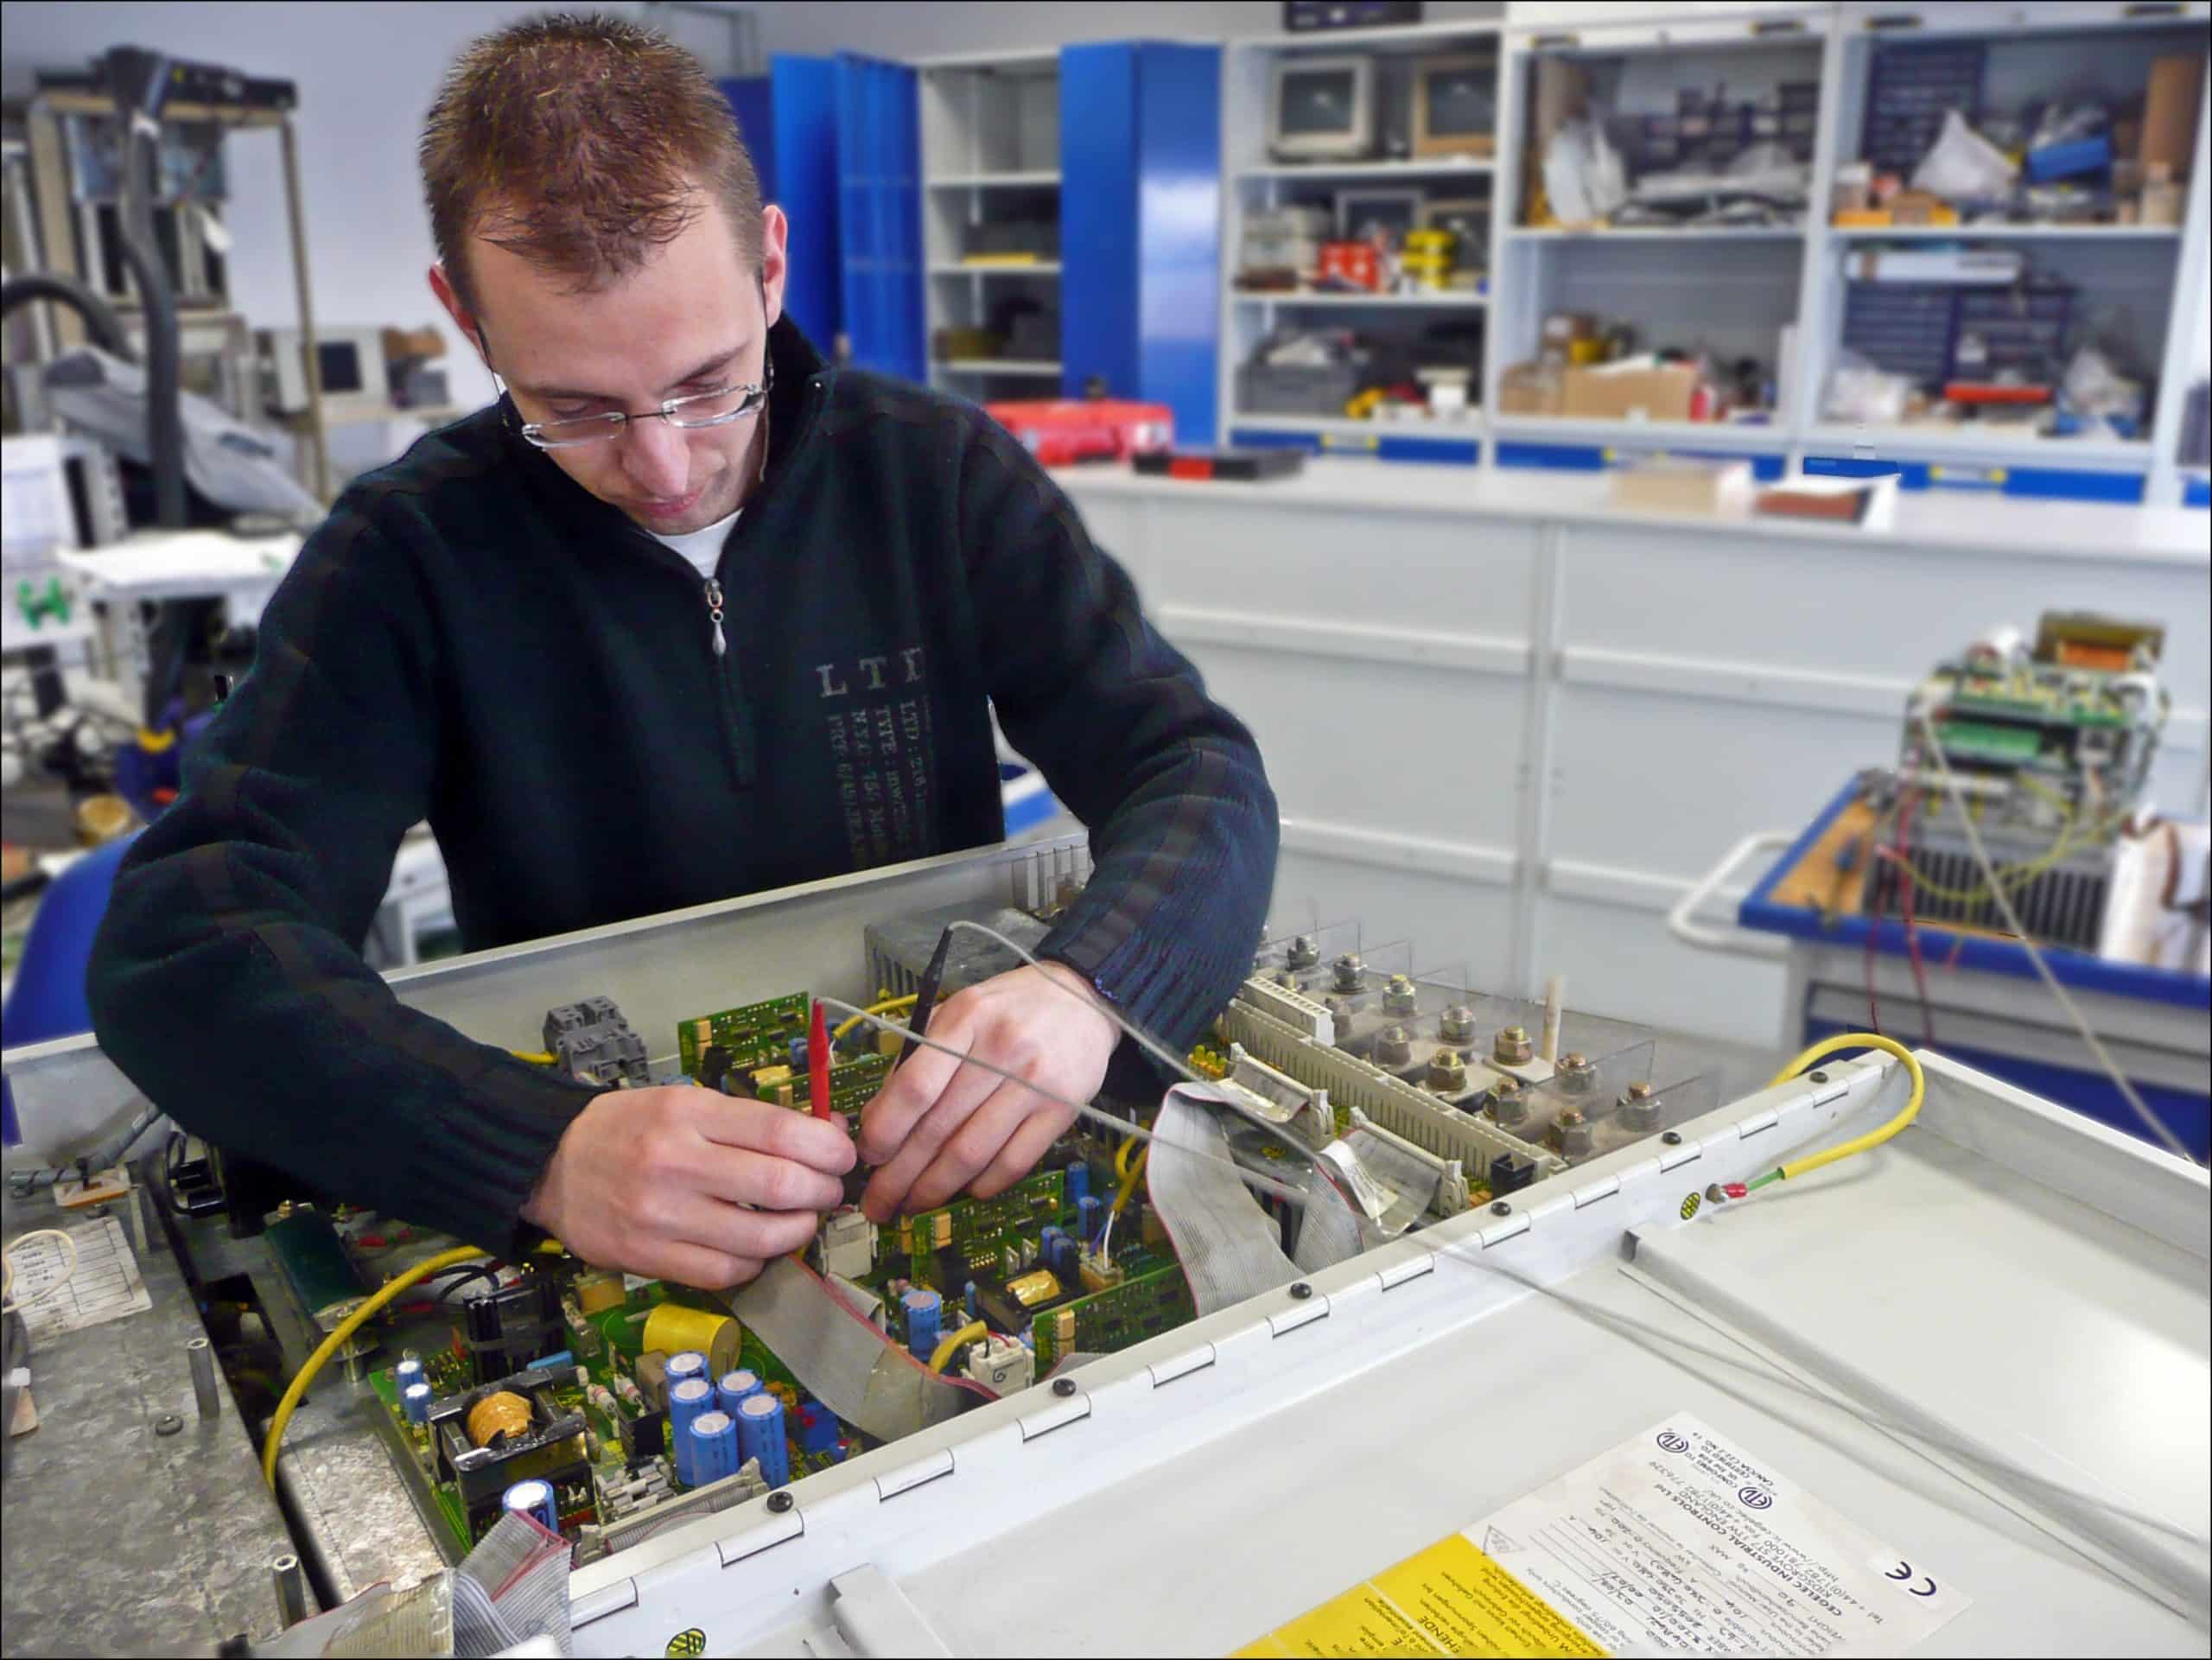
817,1064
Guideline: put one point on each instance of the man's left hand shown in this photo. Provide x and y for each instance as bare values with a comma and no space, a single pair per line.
939,1125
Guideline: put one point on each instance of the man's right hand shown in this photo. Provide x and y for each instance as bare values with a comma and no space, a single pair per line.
659,1181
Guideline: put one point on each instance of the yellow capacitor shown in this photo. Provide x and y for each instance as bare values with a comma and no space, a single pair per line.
672,1328
503,1412
1033,1288
597,1293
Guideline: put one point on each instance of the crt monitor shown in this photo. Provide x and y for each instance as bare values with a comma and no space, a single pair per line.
1324,108
341,363
1455,107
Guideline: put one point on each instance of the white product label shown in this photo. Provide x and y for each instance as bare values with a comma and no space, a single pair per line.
1677,1539
106,1284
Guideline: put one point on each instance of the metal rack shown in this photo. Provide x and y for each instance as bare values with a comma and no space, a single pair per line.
43,118
990,149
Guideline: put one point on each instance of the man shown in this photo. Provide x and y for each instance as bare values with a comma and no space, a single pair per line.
688,614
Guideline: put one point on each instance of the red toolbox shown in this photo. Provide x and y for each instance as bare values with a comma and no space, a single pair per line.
1060,431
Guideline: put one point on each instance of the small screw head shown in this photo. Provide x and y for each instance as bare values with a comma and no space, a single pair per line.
1301,1291
1448,1070
1818,1078
1501,1208
1063,1386
1458,1024
1349,971
779,1501
1513,1046
1393,1046
1672,1138
1638,1091
1305,952
1399,996
168,1424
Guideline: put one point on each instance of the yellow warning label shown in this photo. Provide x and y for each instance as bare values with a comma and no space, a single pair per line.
1449,1599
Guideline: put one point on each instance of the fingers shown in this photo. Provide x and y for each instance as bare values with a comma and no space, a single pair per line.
1011,1111
735,1231
1021,1152
917,1084
739,1176
693,1265
887,1193
776,1131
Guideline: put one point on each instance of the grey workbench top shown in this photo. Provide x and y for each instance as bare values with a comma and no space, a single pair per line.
119,1540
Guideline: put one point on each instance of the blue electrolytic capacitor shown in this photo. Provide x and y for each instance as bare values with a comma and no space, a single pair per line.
1078,1182
733,1387
712,1437
760,1435
533,1500
1090,1216
688,1363
408,1373
414,1402
968,1299
686,1401
924,1312
818,1430
1056,1250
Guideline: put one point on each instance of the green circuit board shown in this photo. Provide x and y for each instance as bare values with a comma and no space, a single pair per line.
447,1375
978,1229
758,1035
1153,1297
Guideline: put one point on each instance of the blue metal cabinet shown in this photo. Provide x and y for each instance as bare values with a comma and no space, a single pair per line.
880,213
788,118
804,124
1140,225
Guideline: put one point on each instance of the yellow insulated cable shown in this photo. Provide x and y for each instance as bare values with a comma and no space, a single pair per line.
887,1006
1872,1137
941,1356
353,1322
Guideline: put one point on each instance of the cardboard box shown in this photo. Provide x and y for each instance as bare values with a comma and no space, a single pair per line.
1609,393
1561,329
1528,388
1714,489
1919,208
2170,112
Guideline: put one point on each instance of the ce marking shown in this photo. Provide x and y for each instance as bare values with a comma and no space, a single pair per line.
1902,1572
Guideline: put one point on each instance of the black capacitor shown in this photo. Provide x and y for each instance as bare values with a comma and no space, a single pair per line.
1509,1173
643,1439
505,1330
714,1066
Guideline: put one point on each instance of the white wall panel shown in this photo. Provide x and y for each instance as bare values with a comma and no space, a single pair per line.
1623,962
1877,606
1450,920
1378,745
1344,564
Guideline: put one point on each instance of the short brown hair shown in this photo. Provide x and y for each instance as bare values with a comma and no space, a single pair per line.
580,142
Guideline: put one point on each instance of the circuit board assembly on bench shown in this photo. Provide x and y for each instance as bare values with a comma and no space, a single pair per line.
612,1407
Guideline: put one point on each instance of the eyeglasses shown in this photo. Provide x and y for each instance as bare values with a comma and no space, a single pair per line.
715,409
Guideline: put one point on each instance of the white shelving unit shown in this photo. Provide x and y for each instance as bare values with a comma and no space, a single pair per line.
1257,181
1733,289
990,141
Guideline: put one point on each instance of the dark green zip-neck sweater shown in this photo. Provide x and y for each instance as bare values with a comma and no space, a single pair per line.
471,639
